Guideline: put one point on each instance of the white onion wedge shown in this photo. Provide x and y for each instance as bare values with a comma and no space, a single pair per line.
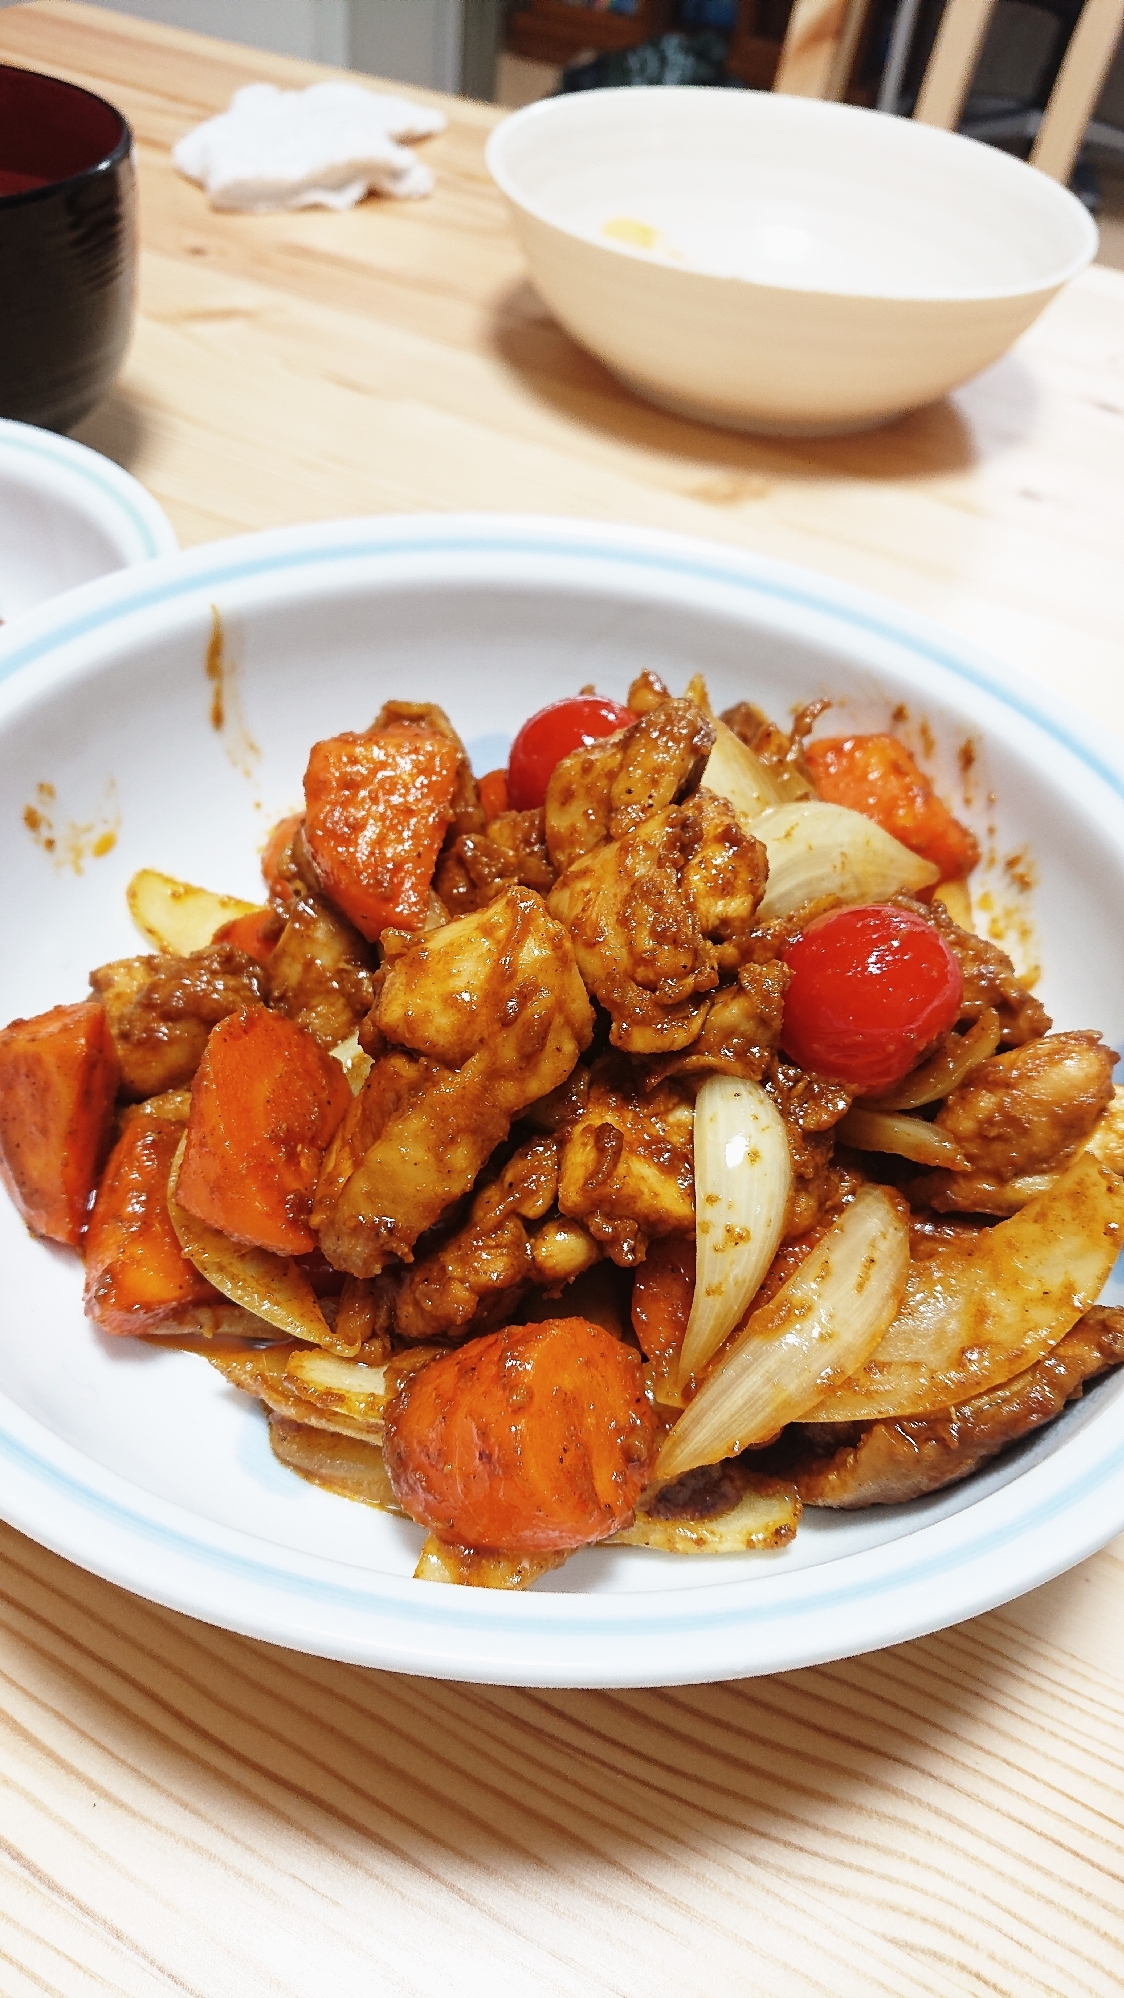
838,1303
743,1178
177,917
906,1137
355,1064
816,849
271,1286
735,773
977,1312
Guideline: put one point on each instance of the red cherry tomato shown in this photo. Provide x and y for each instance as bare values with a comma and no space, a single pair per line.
871,989
552,734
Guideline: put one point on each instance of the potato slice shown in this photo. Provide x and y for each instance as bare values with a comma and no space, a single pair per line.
177,917
977,1313
272,1286
477,1568
350,1468
766,1515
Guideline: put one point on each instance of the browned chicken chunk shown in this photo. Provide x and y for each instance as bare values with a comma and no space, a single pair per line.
627,1164
1019,1115
320,972
476,1279
479,860
741,1030
886,1463
603,792
990,981
657,915
160,1011
488,1015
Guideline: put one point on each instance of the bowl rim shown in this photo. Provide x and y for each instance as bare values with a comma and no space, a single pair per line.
83,481
795,107
117,154
1056,1512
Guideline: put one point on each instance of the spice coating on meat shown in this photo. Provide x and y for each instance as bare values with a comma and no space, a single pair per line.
1028,1110
604,791
320,973
886,1463
493,1014
478,1275
160,1011
989,980
1019,1116
627,1165
656,916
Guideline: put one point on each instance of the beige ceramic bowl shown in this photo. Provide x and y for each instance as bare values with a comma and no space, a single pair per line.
776,263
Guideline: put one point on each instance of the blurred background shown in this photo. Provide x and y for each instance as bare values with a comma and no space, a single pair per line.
513,51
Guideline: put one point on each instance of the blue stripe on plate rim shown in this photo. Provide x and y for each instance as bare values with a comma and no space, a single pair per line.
86,464
810,1591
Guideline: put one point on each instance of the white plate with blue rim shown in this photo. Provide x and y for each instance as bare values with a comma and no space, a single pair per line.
67,516
142,1465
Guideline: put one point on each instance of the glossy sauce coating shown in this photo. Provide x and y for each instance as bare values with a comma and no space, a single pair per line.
265,1101
137,1276
536,1438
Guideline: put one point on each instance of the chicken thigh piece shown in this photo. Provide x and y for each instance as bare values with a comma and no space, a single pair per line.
658,914
603,790
487,1015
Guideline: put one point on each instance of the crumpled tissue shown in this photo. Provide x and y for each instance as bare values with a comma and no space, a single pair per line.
325,147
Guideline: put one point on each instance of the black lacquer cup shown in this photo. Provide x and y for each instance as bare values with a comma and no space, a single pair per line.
67,247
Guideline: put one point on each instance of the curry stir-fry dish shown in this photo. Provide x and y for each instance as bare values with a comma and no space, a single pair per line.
635,1145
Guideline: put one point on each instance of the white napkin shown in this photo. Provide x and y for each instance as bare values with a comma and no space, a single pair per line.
325,147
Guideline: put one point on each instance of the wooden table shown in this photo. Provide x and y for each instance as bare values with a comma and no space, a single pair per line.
185,1811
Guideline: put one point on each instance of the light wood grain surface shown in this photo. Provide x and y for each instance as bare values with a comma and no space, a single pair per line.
188,1812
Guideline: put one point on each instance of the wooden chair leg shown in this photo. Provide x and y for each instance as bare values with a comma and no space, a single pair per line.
819,47
952,64
1080,81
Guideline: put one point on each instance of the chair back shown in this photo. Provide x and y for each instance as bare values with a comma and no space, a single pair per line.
823,36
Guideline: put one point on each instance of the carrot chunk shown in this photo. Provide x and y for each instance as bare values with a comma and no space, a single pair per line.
876,775
276,863
58,1079
492,791
377,809
256,934
137,1276
265,1101
538,1438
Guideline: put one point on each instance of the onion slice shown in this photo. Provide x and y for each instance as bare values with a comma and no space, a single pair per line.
945,1070
837,1304
733,772
270,1285
979,1310
907,1137
818,849
743,1178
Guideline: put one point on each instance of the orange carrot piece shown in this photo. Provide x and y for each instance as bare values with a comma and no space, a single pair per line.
281,891
137,1276
58,1079
378,806
492,791
265,1101
876,775
663,1291
256,934
535,1439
